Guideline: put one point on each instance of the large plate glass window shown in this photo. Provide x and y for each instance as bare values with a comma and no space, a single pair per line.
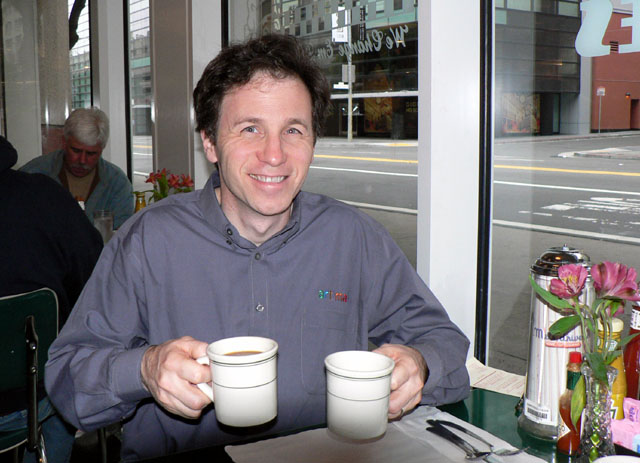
369,53
566,149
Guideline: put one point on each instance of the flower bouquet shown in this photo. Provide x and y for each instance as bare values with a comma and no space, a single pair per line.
614,284
166,183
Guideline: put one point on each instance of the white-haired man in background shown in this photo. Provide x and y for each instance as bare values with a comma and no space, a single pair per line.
94,182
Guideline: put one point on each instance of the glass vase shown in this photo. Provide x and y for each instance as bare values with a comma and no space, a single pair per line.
596,440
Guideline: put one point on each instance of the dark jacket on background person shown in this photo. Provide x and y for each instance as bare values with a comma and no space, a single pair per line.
46,240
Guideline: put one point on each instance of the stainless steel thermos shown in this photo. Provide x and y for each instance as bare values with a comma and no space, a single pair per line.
547,362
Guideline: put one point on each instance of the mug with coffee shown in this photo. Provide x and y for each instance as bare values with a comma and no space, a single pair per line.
243,371
244,352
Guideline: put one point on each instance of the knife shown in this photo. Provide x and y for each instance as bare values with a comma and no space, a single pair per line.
469,432
471,452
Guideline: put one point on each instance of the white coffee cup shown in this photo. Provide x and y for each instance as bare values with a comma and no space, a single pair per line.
358,388
244,376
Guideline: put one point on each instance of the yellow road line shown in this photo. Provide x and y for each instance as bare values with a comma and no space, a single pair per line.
571,171
359,158
496,166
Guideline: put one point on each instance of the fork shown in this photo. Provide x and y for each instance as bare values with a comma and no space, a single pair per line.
492,448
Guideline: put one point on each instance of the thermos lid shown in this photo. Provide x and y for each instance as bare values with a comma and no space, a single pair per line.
548,263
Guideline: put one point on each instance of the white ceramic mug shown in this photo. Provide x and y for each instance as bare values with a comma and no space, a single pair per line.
244,376
358,388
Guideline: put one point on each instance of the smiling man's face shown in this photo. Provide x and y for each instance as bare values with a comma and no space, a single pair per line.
264,146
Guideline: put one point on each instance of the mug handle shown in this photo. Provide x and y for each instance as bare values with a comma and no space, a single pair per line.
204,387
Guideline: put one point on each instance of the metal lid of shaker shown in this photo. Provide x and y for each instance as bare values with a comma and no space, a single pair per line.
548,263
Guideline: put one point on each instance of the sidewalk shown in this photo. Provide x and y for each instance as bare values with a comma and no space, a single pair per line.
361,141
581,136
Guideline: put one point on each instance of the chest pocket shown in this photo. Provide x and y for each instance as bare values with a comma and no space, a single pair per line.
323,332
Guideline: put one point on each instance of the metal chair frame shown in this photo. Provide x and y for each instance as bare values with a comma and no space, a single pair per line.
28,326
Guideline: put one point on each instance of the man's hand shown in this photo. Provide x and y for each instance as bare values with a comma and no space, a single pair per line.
170,372
407,379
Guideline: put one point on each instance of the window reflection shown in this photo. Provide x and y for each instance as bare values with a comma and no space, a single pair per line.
381,43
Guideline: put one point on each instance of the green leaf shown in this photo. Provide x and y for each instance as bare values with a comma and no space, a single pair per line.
598,365
590,325
563,325
578,400
611,356
163,187
549,298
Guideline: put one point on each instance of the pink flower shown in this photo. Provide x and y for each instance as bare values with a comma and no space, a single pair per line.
614,280
570,281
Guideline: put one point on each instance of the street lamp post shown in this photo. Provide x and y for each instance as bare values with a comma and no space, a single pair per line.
600,91
349,99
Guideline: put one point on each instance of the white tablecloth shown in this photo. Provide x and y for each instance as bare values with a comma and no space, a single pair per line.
405,441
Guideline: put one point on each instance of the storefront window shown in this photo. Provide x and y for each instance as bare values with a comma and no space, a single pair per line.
565,152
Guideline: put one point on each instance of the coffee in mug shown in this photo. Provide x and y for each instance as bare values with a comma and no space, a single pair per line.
244,377
244,352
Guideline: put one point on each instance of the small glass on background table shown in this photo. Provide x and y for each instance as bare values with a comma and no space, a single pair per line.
103,221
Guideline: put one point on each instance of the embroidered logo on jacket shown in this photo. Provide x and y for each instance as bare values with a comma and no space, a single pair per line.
331,295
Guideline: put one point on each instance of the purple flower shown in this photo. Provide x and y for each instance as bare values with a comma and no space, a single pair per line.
614,280
570,281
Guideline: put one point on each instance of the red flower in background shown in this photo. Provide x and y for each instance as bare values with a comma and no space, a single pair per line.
174,181
186,181
165,183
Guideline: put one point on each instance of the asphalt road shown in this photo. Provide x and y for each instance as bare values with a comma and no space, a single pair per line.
548,191
586,185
